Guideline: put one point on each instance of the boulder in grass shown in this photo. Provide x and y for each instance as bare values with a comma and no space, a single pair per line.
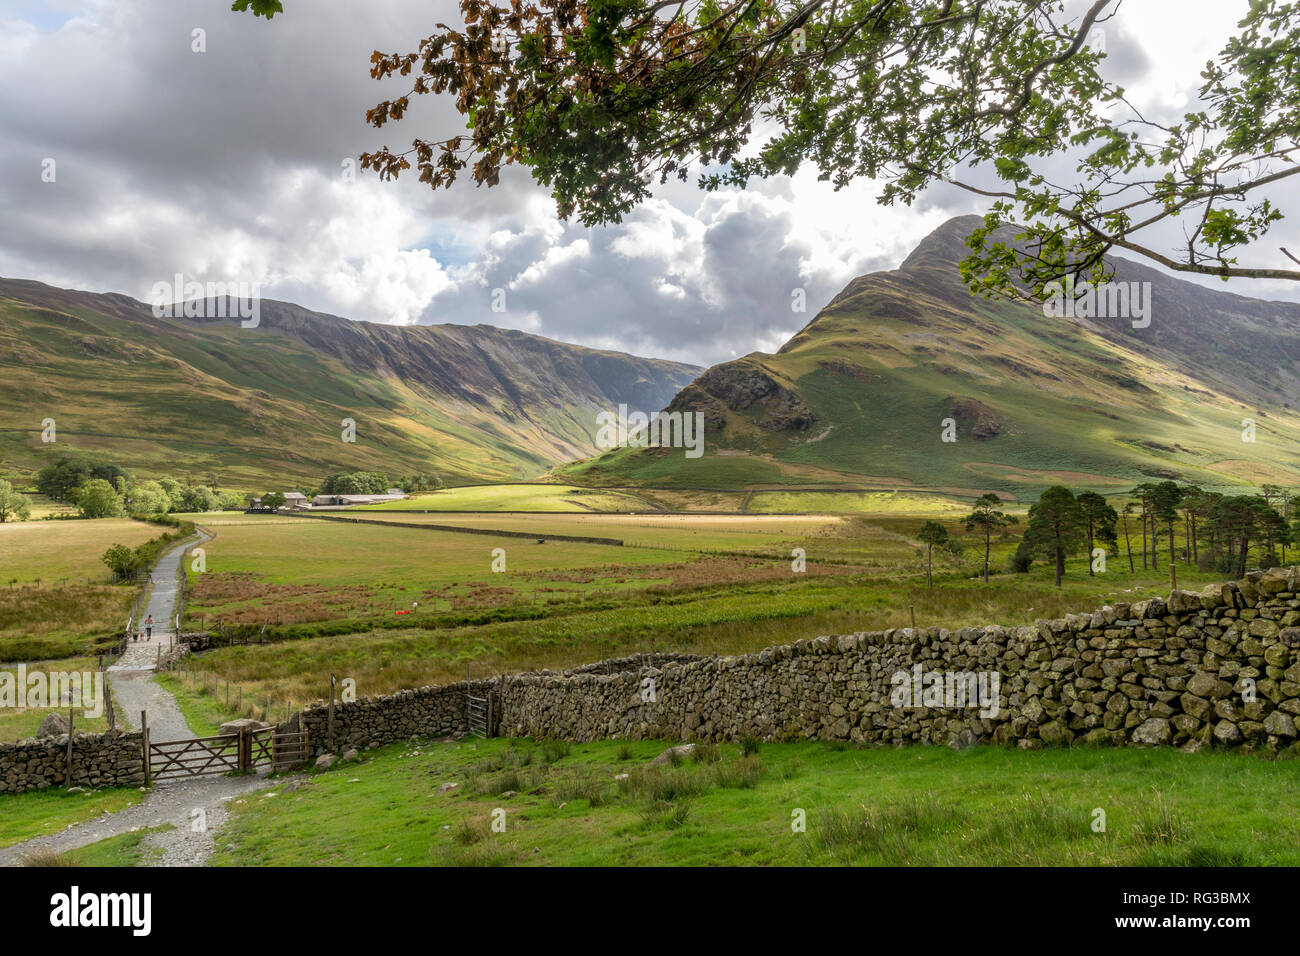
673,753
55,724
325,761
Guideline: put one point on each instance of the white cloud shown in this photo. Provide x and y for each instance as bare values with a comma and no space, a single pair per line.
226,165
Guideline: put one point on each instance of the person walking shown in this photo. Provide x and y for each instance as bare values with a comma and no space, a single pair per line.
148,628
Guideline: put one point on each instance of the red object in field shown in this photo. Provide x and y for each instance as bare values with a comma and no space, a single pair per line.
402,612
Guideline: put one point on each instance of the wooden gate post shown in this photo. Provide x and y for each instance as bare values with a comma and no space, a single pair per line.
329,735
108,701
245,749
67,779
144,731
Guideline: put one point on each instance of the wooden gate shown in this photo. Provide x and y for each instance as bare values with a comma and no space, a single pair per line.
196,757
282,750
202,756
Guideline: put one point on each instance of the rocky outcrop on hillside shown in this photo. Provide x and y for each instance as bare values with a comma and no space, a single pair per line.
742,386
974,418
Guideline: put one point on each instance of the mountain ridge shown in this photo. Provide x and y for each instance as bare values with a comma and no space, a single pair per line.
860,392
470,402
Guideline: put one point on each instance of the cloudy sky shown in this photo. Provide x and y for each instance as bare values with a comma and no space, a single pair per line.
229,165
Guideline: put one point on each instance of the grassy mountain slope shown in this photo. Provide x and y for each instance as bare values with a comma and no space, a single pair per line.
194,395
858,396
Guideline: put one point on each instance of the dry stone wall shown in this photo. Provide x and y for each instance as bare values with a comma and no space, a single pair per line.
98,760
1215,667
433,711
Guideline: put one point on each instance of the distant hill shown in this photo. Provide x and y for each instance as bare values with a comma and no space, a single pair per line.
189,396
858,396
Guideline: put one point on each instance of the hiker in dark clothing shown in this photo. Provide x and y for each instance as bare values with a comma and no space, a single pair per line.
148,628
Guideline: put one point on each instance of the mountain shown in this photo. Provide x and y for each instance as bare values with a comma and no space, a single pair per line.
189,396
859,396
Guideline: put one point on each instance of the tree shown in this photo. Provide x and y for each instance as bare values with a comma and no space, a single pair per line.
56,481
1100,519
1128,541
1275,531
273,500
355,483
419,482
1196,505
197,498
1164,512
174,491
1240,520
932,534
987,520
1144,493
1021,559
121,560
13,504
98,499
600,99
148,498
1056,524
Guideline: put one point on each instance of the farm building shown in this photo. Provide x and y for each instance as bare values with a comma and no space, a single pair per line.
342,501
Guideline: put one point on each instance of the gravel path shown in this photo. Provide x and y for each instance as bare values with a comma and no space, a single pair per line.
131,677
170,801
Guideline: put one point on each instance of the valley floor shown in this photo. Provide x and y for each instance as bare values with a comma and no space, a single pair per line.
561,804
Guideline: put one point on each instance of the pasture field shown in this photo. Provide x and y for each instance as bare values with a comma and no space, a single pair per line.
704,616
43,507
42,812
725,806
55,595
704,533
294,570
55,552
22,722
521,497
910,503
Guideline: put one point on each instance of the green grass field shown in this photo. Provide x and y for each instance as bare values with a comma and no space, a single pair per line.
55,595
22,722
42,812
701,533
910,503
522,497
561,805
728,617
289,570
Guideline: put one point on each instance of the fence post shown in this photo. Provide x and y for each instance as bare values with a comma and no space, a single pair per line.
108,702
67,779
144,740
329,736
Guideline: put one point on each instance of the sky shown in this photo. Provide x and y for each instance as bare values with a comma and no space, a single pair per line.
230,164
